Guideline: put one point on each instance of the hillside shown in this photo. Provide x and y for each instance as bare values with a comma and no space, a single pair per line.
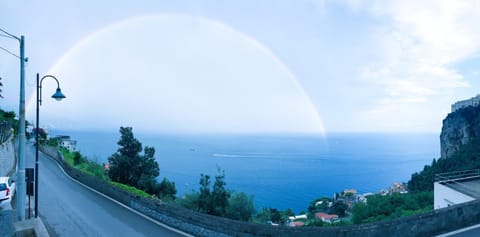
460,148
459,128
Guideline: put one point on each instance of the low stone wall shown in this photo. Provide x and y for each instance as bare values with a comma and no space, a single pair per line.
199,224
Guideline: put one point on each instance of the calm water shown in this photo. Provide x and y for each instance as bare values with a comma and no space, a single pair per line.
280,171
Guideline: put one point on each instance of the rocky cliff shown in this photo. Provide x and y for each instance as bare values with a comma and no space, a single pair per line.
459,128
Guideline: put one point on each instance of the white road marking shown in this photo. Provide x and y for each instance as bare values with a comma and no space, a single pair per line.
121,204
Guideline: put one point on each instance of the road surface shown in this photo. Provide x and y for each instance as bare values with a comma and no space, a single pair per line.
69,209
472,231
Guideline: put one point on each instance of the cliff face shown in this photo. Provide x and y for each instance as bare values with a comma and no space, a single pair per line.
459,128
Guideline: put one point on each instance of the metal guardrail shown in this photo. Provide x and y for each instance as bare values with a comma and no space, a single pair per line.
457,175
456,180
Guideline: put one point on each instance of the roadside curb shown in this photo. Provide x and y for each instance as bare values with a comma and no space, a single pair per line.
157,222
35,223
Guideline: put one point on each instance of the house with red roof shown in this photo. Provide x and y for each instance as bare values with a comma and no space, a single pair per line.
328,218
296,224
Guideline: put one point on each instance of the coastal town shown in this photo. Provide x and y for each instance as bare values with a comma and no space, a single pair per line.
335,210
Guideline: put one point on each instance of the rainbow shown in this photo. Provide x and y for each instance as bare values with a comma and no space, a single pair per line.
166,16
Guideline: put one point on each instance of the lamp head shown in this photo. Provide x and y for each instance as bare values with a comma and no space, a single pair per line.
58,95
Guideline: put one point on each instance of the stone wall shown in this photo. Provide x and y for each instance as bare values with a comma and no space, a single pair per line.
199,224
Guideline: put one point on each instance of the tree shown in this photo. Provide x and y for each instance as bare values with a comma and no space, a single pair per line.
339,208
240,207
127,166
276,216
204,196
189,200
77,158
289,212
319,205
219,194
167,189
53,142
213,202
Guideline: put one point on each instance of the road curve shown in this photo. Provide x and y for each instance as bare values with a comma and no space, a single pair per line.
69,209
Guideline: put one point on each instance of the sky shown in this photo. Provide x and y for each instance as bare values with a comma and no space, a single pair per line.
284,66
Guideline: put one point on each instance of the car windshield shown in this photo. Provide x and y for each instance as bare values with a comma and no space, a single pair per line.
3,187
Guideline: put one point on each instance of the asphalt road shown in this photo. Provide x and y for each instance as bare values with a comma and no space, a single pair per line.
472,231
69,209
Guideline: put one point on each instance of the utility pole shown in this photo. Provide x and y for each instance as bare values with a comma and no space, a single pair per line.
20,180
21,199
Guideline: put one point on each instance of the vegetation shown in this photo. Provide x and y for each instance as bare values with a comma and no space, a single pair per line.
213,202
7,115
217,200
131,189
466,158
7,122
240,207
273,215
75,159
420,186
128,167
383,207
53,142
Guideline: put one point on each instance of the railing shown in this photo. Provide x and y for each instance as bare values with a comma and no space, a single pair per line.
457,175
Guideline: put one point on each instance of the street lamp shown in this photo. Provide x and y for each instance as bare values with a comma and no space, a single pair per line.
21,199
57,96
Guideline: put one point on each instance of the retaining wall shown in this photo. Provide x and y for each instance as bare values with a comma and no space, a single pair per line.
199,224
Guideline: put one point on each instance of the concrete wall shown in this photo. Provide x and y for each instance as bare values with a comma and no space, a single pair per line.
427,224
445,196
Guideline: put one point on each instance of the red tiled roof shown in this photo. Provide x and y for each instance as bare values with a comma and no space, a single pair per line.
297,223
325,216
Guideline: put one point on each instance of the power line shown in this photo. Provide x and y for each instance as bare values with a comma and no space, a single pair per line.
9,52
9,35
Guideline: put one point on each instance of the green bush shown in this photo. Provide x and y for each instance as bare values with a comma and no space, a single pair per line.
131,189
77,158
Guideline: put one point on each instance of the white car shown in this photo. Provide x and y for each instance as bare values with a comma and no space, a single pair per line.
7,188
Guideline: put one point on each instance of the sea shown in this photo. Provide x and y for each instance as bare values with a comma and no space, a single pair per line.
280,171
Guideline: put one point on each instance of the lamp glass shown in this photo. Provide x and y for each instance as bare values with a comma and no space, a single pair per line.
58,95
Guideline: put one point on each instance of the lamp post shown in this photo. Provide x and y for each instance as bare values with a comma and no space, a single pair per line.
57,96
21,199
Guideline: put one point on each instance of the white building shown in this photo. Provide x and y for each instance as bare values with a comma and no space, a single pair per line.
455,188
474,101
67,143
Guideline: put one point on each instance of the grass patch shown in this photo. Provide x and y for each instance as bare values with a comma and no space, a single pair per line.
131,189
95,169
67,156
84,165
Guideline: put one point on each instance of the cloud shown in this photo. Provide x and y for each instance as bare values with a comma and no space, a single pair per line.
321,6
420,42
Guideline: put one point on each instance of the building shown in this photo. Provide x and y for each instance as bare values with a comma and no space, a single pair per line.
351,191
455,188
327,218
398,188
363,197
296,224
299,217
297,221
474,101
67,143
